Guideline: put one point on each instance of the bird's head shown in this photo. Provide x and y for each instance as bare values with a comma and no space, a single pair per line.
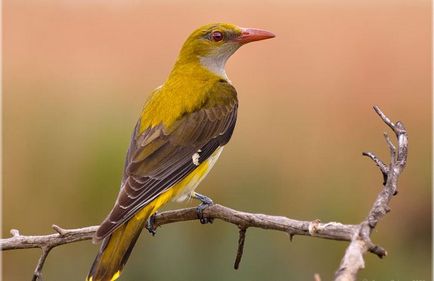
211,45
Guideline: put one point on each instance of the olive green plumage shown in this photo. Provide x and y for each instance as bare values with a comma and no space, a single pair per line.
161,155
180,134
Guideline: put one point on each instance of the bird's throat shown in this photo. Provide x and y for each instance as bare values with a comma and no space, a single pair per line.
216,65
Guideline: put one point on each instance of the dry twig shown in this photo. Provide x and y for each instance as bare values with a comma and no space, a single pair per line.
243,220
353,261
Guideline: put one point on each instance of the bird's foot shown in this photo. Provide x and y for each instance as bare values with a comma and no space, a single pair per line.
206,202
150,224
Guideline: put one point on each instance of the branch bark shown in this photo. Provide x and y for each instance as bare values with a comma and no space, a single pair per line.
358,235
331,230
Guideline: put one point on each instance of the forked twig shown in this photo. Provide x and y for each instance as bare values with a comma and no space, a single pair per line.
353,261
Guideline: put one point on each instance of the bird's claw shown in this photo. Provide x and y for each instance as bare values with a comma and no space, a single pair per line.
200,216
150,225
206,202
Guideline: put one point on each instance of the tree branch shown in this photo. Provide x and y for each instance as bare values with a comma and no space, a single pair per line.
243,220
359,235
353,261
331,230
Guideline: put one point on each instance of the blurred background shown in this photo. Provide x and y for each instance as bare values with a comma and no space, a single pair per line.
76,74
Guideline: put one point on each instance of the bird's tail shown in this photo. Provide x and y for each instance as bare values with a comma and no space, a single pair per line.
117,247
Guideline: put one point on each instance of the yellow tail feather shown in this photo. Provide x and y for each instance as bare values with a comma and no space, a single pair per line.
115,249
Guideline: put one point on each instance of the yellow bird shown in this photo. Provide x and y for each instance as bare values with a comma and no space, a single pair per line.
178,138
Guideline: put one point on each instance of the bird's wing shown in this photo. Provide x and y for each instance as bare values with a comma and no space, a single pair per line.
160,157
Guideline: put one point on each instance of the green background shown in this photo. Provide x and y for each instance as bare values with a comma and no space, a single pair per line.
76,74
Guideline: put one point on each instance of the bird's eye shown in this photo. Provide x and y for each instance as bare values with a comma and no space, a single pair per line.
217,36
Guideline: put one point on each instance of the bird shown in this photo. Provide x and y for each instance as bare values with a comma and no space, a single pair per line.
181,132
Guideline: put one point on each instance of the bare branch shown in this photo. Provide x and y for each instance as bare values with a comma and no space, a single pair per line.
385,118
333,230
380,164
51,240
353,261
384,169
37,274
392,148
59,230
241,239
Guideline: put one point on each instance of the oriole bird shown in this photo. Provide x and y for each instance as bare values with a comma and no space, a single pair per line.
178,138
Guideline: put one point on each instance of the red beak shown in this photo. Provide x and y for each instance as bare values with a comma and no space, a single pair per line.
253,34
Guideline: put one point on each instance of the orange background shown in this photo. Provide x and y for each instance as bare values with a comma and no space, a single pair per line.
76,74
